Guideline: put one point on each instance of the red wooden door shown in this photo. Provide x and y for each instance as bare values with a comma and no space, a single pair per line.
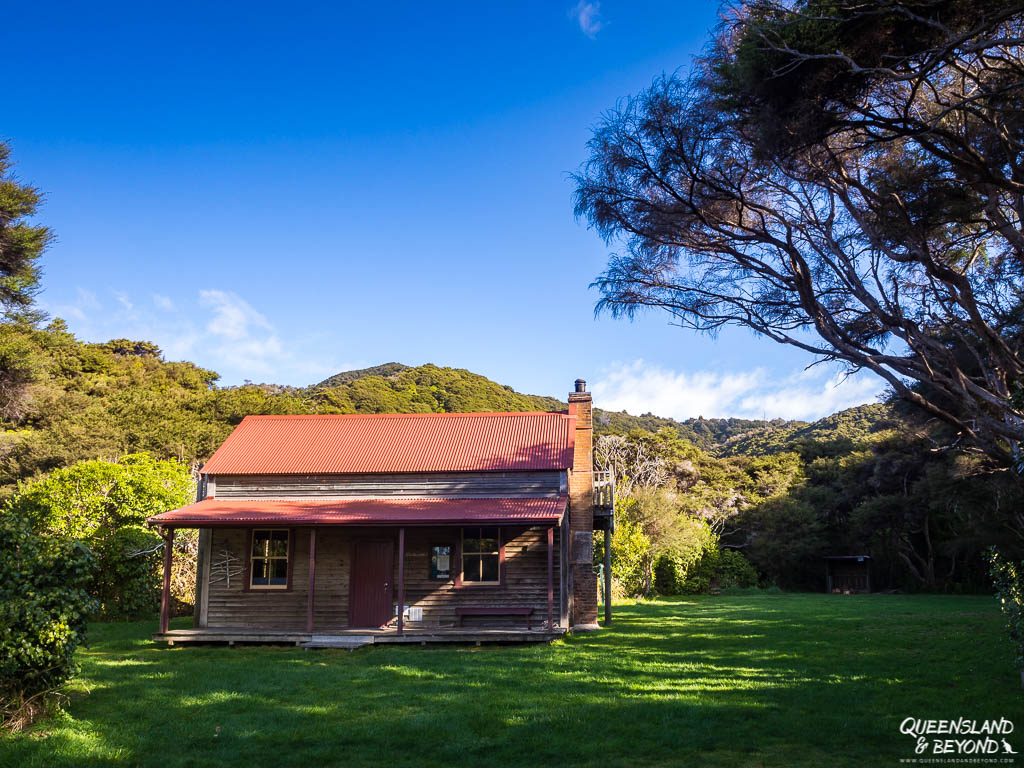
372,567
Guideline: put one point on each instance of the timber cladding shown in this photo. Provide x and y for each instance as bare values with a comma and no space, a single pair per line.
411,485
524,582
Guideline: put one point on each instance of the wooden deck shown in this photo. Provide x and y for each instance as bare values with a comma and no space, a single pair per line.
354,638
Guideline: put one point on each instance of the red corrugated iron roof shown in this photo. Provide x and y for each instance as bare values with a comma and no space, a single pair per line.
432,511
420,442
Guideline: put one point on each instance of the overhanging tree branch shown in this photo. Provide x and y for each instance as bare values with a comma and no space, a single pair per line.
876,223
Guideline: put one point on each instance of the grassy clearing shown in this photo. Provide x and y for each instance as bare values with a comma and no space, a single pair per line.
767,680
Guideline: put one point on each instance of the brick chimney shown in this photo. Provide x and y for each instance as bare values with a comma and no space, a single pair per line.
583,607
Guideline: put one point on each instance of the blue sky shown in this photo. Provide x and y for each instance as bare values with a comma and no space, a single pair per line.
280,192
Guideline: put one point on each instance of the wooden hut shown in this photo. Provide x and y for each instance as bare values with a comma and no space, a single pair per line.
395,528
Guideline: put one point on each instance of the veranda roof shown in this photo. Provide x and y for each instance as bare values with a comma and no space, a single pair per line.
432,511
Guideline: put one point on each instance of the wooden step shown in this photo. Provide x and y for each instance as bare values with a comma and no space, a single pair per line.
350,642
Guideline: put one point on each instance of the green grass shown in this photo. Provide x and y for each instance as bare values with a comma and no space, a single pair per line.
763,680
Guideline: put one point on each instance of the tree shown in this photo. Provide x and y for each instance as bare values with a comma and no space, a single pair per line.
131,348
21,243
846,178
20,365
790,541
632,463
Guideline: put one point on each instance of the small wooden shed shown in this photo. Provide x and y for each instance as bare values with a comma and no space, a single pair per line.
848,574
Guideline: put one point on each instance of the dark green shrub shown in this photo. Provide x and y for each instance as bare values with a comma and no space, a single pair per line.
669,575
727,567
690,569
1008,578
698,581
128,580
674,569
734,570
44,604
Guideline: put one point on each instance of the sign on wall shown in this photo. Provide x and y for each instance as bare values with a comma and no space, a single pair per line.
441,562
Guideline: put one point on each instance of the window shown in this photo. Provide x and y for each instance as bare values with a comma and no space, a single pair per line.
441,562
269,559
481,556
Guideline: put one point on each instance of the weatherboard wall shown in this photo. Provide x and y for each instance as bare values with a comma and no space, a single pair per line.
524,580
410,485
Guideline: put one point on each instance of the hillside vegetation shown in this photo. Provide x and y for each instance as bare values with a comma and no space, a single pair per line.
838,433
69,401
398,388
66,401
878,480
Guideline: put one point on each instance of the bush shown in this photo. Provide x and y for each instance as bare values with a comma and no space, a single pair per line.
631,558
44,604
94,498
1008,578
128,581
734,570
105,504
791,539
669,574
183,571
659,547
727,567
677,571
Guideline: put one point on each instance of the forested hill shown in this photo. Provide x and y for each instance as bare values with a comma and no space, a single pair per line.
65,400
710,435
384,370
397,388
839,433
394,387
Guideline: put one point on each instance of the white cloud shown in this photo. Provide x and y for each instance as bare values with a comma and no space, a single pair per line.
233,317
640,387
181,344
241,337
810,395
163,302
216,329
65,311
86,299
261,356
79,310
588,16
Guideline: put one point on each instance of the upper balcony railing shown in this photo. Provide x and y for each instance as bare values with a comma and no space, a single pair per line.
604,492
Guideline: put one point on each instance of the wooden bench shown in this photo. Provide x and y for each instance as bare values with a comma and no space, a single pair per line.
495,610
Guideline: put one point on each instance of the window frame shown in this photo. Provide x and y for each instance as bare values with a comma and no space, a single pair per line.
461,580
288,558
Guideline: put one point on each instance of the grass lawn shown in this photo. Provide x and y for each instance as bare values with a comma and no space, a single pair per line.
773,680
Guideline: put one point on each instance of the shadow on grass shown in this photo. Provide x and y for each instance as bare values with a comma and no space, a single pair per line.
780,680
